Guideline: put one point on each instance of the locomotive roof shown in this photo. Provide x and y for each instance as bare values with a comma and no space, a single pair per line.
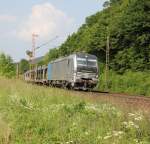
81,55
84,55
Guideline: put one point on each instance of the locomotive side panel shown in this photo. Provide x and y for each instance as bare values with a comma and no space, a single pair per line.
49,72
70,66
61,70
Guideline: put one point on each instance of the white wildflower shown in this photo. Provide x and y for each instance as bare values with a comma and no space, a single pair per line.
92,107
136,116
131,114
125,123
117,133
69,142
86,133
130,124
135,140
107,137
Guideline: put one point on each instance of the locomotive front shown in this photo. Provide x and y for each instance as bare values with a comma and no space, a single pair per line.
86,71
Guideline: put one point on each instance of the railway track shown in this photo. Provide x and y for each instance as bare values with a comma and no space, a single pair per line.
124,100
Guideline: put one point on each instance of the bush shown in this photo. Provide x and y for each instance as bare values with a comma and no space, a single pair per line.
137,83
7,68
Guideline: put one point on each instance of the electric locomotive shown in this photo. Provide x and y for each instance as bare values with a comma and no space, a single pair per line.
76,71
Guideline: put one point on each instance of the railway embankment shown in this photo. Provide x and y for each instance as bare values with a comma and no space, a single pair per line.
39,114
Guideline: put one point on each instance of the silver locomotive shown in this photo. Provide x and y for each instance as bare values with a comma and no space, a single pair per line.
77,71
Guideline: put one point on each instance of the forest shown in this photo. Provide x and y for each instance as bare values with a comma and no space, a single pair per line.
127,23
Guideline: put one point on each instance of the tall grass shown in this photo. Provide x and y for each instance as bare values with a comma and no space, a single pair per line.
31,114
135,83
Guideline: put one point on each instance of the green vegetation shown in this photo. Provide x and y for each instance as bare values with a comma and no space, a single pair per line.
127,24
134,83
23,66
31,114
51,55
7,68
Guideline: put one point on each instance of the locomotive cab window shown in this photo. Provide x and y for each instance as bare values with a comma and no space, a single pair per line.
87,62
81,62
92,63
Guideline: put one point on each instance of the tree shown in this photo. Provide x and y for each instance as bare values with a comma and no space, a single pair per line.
127,22
133,35
7,68
51,55
23,66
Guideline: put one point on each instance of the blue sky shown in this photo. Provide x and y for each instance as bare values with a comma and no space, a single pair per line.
48,18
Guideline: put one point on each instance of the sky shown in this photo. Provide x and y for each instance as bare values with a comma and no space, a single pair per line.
19,19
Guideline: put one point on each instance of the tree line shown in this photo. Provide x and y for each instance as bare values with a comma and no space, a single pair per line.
127,23
8,67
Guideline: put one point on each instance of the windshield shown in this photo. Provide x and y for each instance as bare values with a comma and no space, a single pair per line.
81,62
87,65
91,63
86,62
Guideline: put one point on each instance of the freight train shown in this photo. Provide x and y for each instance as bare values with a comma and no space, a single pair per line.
76,71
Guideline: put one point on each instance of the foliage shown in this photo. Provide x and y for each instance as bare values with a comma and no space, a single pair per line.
23,66
7,68
135,83
51,55
127,24
133,37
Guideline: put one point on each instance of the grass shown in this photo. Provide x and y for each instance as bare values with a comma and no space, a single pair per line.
30,114
134,83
